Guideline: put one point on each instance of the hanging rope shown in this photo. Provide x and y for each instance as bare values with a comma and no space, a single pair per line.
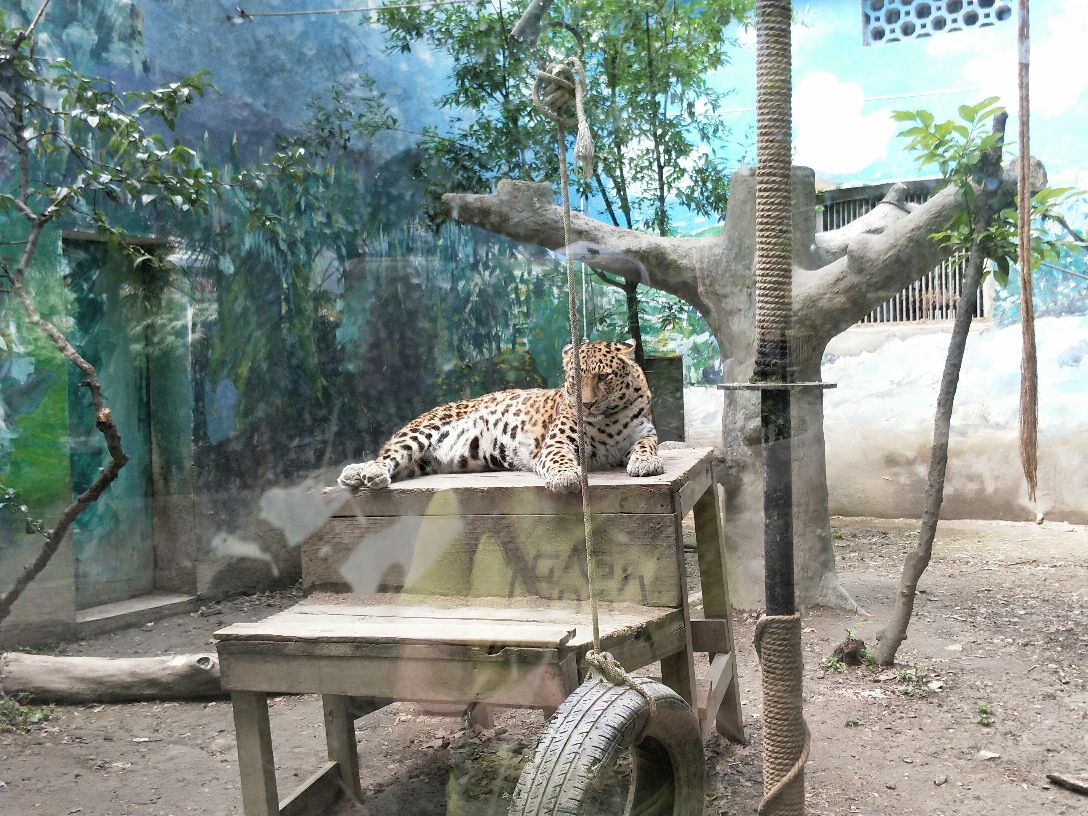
1029,364
556,86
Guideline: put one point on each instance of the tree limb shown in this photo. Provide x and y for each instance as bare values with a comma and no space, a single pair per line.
831,299
526,211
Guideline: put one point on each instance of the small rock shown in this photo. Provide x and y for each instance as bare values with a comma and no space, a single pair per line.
954,647
940,780
889,785
988,755
147,627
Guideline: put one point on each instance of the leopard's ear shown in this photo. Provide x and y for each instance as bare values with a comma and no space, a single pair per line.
627,349
567,349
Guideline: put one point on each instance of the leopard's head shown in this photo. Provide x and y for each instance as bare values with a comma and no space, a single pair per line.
610,376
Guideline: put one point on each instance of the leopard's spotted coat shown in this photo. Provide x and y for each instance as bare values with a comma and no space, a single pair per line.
531,430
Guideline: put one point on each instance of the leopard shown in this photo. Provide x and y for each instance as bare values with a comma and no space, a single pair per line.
532,429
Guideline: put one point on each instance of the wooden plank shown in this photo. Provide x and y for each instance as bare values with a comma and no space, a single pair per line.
710,545
678,670
256,764
314,796
507,683
611,615
340,740
635,654
343,628
718,679
540,556
520,493
697,483
711,635
236,650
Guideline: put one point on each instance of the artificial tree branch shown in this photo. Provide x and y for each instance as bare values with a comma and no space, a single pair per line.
526,211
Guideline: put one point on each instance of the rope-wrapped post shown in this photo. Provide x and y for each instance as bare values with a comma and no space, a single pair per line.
778,635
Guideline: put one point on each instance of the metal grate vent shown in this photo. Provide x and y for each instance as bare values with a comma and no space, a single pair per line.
935,296
885,21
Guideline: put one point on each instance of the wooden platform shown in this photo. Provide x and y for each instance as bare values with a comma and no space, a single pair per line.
490,608
505,535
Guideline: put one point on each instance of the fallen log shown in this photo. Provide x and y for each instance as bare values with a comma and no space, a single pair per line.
110,680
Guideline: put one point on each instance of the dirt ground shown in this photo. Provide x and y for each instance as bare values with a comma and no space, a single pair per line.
1000,633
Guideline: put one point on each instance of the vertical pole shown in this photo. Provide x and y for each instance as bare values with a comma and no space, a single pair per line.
778,634
774,290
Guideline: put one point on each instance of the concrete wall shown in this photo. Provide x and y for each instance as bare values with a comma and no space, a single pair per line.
878,422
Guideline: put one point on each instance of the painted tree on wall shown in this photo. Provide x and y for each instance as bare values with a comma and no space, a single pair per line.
76,150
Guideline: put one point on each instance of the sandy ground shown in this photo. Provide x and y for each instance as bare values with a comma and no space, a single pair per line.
1002,621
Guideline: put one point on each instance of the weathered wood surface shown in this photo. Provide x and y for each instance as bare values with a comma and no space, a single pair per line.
719,681
340,740
315,795
255,760
110,680
498,556
519,493
515,677
561,625
501,655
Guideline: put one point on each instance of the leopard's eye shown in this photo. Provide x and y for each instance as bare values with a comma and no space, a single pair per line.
603,377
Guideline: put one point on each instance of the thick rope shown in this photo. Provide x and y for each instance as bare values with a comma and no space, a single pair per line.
777,637
1029,364
785,734
774,195
555,86
604,667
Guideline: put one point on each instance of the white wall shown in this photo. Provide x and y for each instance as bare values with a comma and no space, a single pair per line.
879,422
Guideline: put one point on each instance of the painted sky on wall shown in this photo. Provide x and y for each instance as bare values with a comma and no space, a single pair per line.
845,92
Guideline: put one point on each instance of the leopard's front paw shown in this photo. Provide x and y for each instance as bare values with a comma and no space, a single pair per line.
645,466
565,481
366,474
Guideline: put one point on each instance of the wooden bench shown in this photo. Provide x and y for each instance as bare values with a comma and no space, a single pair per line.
471,589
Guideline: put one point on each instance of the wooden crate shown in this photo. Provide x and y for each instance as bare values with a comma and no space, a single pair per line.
504,535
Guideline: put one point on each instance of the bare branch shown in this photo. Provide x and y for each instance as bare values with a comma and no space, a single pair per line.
1076,236
1057,268
28,32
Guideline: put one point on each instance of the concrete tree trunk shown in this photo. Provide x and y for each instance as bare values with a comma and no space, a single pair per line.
839,277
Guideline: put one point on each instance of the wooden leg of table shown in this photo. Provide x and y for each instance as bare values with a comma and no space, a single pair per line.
340,736
255,761
678,673
712,573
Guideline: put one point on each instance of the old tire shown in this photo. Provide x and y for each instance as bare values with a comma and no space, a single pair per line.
589,733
